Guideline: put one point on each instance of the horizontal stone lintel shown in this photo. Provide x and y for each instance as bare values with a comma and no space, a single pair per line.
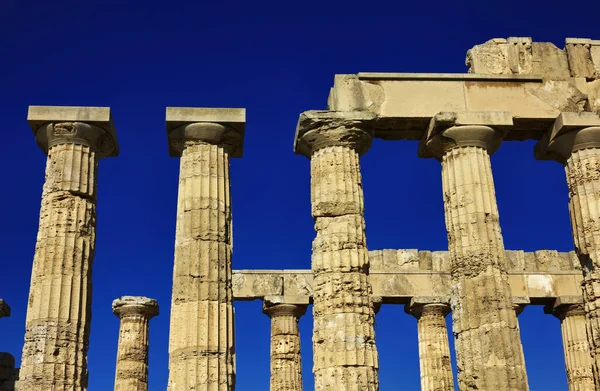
405,103
399,275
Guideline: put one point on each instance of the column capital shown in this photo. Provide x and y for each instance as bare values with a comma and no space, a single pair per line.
419,304
220,126
565,306
126,306
4,309
321,129
274,306
570,132
519,303
448,130
377,303
90,126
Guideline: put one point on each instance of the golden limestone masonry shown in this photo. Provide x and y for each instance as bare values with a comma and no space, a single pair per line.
515,90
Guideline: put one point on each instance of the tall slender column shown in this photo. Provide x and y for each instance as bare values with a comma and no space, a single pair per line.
434,349
135,313
578,358
59,307
574,141
488,345
201,341
286,362
345,355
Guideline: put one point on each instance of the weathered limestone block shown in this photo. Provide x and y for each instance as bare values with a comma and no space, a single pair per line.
434,350
59,307
9,375
574,140
593,90
345,355
549,61
580,58
4,309
578,360
135,313
201,343
286,362
488,345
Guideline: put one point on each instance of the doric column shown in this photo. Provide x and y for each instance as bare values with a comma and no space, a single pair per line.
135,313
59,307
574,141
488,345
345,355
578,358
286,362
434,350
201,345
4,309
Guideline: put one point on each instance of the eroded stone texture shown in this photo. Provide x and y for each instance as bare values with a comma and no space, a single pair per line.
135,313
201,344
574,140
434,350
580,58
286,362
578,360
345,355
59,308
488,345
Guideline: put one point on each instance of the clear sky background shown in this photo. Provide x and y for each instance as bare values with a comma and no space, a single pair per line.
275,59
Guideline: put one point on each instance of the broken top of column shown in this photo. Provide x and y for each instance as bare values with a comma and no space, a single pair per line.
221,126
570,132
134,306
322,128
480,128
91,126
4,309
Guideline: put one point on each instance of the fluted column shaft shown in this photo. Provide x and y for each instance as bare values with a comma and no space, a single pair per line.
485,325
434,350
201,341
59,310
345,355
59,307
286,362
583,178
132,356
578,359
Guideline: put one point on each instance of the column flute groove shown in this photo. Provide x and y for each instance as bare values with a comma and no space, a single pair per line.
59,307
345,355
488,345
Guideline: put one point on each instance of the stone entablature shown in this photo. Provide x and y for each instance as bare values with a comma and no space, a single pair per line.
399,275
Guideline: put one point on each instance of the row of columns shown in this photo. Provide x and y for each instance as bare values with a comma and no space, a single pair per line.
488,345
202,352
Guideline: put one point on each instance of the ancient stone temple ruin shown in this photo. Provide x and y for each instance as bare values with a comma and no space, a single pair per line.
515,89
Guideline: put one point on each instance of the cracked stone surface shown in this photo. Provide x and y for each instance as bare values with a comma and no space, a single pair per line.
135,313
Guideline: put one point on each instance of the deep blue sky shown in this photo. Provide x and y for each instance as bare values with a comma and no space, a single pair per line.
275,59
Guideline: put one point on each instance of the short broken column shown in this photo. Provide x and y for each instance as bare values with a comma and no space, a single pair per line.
345,354
578,360
59,306
201,341
286,362
135,313
574,141
9,375
434,348
488,345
